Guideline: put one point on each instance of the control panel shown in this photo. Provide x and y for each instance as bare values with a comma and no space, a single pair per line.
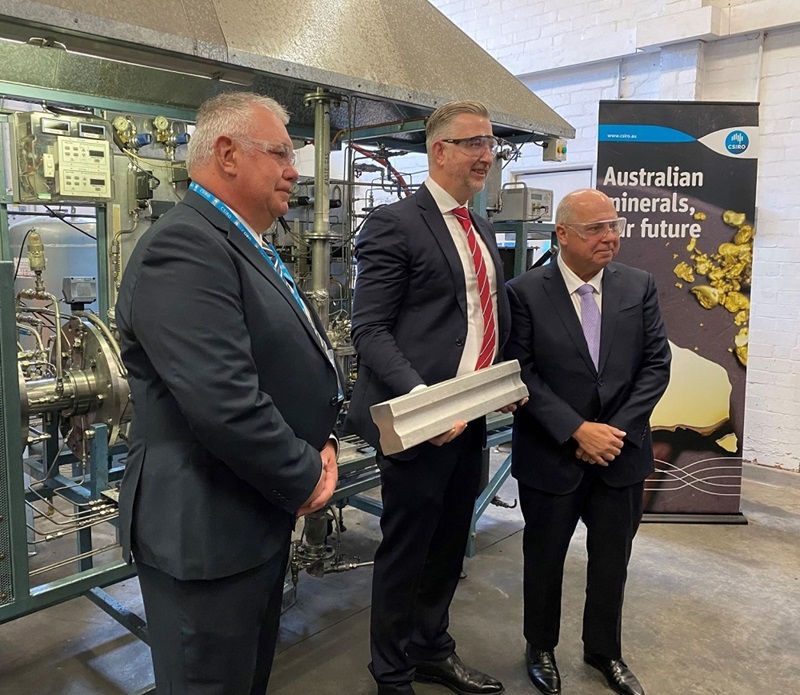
60,158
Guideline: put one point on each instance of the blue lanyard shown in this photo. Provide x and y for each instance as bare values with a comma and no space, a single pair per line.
275,263
270,256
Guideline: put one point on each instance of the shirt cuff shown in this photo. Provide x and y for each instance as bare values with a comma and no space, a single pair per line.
333,438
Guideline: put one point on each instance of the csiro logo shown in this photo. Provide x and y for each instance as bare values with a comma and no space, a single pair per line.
737,142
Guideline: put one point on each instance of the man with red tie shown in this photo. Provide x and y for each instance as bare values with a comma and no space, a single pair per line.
426,308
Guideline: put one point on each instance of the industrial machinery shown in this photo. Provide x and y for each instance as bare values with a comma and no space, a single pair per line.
93,129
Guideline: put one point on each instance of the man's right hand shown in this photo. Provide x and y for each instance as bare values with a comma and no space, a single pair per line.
598,443
450,435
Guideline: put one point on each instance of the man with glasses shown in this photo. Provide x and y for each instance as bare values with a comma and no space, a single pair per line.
593,349
426,308
235,396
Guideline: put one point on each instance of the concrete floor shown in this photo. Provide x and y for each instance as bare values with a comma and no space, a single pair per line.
710,610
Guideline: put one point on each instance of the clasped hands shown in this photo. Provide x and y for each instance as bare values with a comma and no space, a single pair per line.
598,443
327,481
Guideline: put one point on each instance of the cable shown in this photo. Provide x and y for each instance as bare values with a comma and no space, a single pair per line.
53,213
21,249
64,110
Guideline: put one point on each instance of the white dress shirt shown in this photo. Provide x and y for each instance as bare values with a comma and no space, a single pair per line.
573,282
472,346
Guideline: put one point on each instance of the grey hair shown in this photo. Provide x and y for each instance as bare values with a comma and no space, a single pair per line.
439,122
226,114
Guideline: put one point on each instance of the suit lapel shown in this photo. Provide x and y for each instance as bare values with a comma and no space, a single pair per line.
557,292
612,295
238,240
432,217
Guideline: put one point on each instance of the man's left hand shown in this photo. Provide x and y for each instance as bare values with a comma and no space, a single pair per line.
330,475
511,407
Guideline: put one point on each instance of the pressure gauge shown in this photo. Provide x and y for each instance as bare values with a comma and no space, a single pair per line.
120,124
160,123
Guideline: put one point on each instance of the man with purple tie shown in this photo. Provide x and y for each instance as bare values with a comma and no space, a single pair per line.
594,355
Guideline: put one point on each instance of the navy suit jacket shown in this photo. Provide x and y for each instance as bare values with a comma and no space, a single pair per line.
233,398
409,318
565,387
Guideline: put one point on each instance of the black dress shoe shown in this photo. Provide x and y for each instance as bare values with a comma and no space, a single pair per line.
460,678
542,670
619,676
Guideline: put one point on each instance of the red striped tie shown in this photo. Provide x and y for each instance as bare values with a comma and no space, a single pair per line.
486,355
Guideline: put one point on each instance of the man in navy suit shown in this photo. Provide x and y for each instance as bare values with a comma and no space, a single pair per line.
593,349
235,397
426,308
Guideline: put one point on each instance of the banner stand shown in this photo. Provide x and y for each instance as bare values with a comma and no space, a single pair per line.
657,518
683,174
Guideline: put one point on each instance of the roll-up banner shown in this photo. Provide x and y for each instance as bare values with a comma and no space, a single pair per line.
683,174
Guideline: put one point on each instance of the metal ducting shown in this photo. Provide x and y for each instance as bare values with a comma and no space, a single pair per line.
395,59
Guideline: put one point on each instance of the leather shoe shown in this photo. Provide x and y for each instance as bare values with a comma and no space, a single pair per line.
619,676
456,675
542,670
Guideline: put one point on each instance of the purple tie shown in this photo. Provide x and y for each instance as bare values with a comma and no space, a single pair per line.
590,319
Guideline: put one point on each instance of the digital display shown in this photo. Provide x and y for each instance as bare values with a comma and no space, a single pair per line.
97,182
52,125
91,130
96,153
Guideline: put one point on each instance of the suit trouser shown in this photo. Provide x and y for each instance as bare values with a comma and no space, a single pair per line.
214,637
428,503
612,517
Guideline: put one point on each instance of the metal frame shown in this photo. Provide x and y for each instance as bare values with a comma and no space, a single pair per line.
26,598
524,231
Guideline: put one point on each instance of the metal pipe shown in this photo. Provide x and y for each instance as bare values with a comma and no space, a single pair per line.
44,397
46,296
320,237
75,394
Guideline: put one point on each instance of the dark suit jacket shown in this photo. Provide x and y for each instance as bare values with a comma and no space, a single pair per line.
410,304
233,399
566,389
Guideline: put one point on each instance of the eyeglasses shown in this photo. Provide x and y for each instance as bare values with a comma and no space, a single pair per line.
593,229
285,153
477,144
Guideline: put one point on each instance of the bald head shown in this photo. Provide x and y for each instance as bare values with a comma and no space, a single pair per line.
574,205
586,253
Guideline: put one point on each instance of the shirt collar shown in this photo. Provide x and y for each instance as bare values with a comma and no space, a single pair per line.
444,201
573,282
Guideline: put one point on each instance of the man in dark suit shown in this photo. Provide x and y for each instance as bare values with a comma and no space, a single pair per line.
235,397
426,308
594,354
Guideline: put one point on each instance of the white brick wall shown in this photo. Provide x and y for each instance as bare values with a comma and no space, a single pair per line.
679,67
772,425
726,3
531,36
565,52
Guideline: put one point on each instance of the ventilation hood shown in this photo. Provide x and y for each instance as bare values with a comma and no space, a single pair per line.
392,60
